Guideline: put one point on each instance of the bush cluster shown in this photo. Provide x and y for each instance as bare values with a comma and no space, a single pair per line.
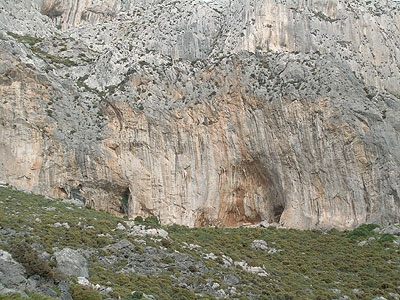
30,259
80,292
26,255
363,231
151,221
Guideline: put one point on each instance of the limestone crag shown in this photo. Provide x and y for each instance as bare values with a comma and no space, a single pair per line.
206,113
358,32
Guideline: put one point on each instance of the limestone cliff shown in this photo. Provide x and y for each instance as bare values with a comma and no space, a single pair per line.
221,112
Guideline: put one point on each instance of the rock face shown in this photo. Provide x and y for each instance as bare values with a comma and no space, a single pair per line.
205,113
12,274
71,263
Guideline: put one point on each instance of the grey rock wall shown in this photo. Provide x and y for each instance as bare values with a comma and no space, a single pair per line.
12,274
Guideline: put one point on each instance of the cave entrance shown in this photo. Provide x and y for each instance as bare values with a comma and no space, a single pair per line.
125,200
61,192
277,212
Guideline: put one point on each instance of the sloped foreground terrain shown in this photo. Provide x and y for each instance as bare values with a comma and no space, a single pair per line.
52,249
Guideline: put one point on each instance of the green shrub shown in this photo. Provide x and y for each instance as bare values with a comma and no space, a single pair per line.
30,259
57,275
167,260
363,231
138,220
125,202
14,296
176,228
152,221
143,63
386,238
166,243
26,39
193,269
134,295
31,296
80,292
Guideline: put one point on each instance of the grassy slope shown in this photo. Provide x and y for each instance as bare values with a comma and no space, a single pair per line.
312,265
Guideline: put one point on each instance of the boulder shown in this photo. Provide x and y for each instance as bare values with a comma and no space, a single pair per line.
264,224
65,291
231,279
12,277
259,245
71,262
362,243
392,229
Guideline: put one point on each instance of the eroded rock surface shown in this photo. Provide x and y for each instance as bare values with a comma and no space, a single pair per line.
71,263
12,276
205,113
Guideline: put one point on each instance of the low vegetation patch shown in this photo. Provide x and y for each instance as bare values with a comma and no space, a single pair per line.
32,42
26,39
198,263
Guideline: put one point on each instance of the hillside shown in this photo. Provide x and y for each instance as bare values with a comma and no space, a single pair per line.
205,113
66,251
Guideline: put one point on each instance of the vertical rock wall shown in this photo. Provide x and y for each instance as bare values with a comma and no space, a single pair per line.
359,35
206,114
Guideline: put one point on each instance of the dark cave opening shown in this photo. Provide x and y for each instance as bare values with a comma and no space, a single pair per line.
125,200
61,192
277,213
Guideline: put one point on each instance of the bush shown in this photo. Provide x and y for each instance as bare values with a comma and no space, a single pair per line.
34,264
30,259
138,220
152,221
134,295
26,39
166,243
364,231
168,260
80,292
31,296
193,269
57,275
386,238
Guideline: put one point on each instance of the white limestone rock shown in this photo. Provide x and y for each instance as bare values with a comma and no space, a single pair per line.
71,262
